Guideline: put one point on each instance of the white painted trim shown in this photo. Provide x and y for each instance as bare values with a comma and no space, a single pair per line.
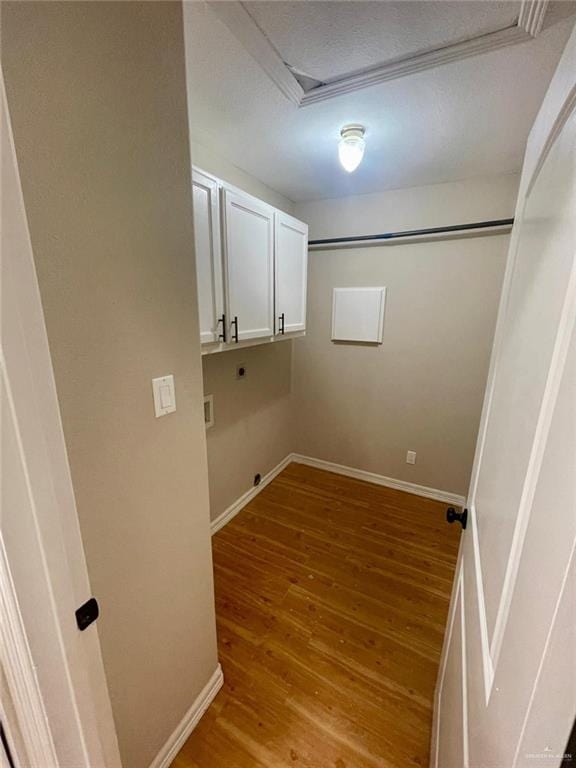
445,649
465,744
457,592
549,398
532,14
544,655
555,110
338,469
388,482
72,670
550,119
491,647
235,16
248,33
487,666
495,354
241,502
562,118
393,70
190,720
19,671
538,148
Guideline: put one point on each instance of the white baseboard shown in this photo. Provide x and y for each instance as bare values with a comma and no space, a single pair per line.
339,469
241,502
190,720
389,482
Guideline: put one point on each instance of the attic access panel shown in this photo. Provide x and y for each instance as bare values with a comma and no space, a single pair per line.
328,41
358,314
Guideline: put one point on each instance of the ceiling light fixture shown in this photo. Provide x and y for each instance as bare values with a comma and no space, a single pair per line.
351,147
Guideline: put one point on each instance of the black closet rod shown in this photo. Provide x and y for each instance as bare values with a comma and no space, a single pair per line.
415,232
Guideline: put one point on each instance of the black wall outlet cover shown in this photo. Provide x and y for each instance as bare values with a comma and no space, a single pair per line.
257,479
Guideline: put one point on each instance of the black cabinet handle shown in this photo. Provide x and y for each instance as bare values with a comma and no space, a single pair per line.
222,336
462,517
281,318
235,332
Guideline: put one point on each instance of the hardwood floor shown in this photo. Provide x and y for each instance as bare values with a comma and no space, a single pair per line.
332,596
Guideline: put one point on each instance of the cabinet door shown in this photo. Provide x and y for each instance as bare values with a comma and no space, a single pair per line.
249,256
208,258
291,267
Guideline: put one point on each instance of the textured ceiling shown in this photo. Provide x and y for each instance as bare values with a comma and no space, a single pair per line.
326,40
468,118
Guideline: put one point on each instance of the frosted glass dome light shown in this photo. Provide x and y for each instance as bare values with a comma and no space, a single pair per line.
351,147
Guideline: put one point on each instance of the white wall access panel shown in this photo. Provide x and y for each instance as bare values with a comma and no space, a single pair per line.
249,258
208,258
290,273
358,314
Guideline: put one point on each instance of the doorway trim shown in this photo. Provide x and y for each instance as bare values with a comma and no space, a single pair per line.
53,672
18,667
562,101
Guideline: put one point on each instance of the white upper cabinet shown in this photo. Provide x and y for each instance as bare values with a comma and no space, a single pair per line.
291,261
208,258
249,262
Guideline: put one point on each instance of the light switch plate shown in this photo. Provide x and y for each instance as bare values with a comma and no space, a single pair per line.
164,395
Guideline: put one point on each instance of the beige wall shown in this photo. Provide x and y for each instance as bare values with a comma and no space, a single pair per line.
360,406
422,389
253,429
205,158
97,99
460,202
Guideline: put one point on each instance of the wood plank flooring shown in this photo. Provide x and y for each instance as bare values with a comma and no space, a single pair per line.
332,597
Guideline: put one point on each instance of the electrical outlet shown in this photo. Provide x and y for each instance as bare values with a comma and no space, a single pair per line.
241,371
257,479
411,457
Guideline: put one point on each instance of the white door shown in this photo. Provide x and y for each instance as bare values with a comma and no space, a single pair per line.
291,264
208,258
506,696
52,675
249,257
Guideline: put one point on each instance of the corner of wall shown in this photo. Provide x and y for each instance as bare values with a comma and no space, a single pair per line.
209,160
